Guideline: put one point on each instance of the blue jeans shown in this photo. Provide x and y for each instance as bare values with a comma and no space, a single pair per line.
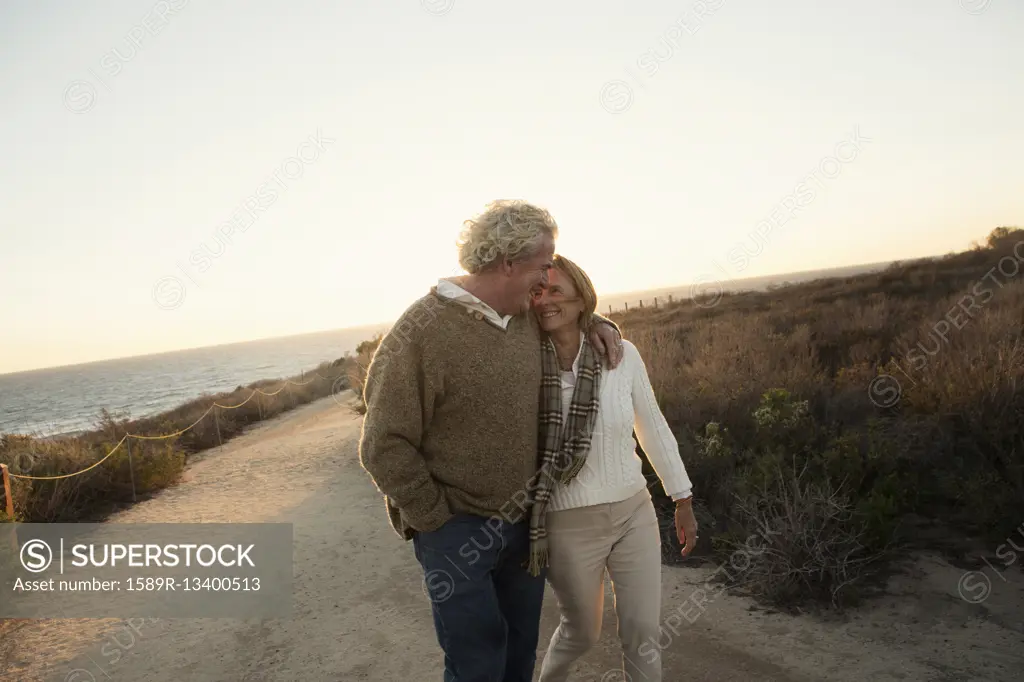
486,604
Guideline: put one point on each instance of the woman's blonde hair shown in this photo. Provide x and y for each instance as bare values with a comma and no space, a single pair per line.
510,229
584,287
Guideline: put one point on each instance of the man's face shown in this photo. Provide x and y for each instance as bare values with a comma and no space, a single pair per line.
527,276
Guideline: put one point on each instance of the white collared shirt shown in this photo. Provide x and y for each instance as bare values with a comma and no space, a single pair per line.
450,289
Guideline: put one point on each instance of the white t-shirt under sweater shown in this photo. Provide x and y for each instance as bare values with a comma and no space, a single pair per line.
614,471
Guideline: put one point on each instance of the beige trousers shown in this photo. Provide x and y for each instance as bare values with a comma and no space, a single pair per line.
622,537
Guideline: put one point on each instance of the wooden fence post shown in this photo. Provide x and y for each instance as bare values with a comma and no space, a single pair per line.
13,536
627,306
641,303
216,421
670,298
8,495
131,467
655,302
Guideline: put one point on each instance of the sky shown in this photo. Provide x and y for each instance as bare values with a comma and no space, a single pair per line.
180,174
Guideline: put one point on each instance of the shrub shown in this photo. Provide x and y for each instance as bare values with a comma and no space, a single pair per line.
810,543
358,368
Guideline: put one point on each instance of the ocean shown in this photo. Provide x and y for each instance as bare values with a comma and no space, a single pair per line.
46,402
59,400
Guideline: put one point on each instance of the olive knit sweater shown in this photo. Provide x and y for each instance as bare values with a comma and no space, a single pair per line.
452,407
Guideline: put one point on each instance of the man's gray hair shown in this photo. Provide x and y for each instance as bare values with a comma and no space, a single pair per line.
512,229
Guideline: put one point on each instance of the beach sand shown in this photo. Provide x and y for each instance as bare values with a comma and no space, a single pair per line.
360,611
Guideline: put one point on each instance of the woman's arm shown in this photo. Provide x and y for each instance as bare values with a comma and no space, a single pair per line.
652,430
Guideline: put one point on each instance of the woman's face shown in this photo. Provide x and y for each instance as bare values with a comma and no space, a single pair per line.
558,304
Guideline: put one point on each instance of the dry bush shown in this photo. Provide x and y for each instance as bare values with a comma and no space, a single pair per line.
358,368
806,544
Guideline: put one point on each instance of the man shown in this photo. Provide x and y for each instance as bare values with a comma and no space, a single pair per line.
450,438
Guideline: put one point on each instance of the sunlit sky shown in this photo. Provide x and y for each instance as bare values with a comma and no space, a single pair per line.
659,140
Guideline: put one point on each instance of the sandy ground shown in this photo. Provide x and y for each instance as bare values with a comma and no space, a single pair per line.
360,612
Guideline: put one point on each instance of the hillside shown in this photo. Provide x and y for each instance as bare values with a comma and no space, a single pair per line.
712,288
855,418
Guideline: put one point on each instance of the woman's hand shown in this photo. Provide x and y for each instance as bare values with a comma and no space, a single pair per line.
686,525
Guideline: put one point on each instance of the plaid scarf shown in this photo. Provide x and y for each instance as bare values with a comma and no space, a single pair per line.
563,452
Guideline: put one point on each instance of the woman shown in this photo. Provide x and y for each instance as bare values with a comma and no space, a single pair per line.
597,514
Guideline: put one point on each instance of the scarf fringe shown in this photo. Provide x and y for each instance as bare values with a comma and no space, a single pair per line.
538,557
577,464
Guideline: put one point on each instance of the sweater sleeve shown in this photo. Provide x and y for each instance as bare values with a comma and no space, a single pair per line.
399,393
599,319
652,430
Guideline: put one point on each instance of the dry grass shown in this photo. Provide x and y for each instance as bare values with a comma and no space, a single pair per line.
357,370
764,385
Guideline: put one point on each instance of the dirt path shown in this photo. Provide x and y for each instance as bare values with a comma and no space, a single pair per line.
360,613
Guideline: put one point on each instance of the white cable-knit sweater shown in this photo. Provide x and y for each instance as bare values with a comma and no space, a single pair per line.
613,471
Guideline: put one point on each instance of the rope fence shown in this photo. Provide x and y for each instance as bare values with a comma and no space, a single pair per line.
7,475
